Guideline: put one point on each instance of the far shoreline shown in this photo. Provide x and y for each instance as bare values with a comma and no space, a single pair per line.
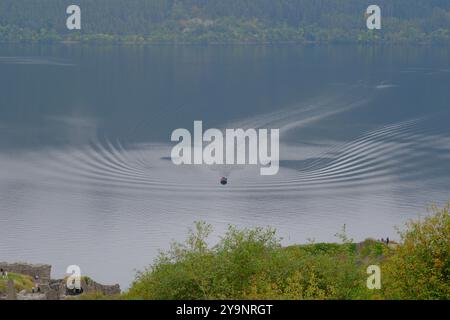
231,43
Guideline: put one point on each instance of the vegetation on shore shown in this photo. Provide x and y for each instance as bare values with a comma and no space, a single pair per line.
21,282
232,21
251,264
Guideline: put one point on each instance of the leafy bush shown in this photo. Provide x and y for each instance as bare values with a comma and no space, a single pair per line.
252,264
419,268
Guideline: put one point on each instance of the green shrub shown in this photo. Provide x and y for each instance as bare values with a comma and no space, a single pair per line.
251,264
419,268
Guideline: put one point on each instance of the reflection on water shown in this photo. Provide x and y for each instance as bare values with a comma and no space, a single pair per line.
85,176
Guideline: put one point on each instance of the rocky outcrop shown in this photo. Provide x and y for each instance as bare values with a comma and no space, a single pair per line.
23,295
87,286
11,292
36,271
90,286
49,289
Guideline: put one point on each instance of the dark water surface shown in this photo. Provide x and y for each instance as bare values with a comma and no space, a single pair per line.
85,139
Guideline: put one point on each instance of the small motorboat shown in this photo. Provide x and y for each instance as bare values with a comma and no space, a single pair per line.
223,181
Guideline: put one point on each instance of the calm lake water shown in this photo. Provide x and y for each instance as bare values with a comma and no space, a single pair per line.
85,139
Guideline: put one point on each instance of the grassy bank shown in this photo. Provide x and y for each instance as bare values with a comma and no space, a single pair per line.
251,264
21,282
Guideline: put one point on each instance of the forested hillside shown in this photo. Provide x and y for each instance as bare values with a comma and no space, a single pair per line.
219,21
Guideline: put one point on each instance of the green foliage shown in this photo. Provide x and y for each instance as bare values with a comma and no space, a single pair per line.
371,248
252,264
231,21
21,282
420,267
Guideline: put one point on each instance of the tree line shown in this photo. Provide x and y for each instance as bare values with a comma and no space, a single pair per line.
225,21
